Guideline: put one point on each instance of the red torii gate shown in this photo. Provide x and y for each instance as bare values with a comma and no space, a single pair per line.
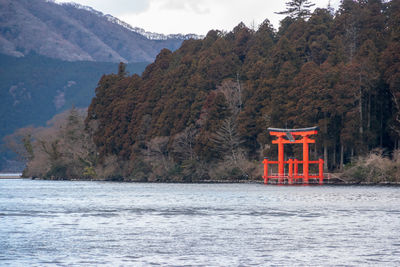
293,176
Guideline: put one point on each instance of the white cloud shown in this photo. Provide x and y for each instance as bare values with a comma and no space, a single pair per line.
115,7
194,16
197,6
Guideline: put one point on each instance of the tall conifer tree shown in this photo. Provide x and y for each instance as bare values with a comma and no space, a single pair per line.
297,9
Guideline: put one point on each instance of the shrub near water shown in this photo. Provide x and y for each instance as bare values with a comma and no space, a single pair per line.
375,168
63,150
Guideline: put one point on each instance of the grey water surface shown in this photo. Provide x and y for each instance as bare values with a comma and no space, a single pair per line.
65,223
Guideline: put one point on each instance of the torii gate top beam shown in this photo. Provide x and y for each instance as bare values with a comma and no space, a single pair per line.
315,128
293,132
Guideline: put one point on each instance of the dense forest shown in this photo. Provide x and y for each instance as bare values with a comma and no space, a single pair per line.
201,112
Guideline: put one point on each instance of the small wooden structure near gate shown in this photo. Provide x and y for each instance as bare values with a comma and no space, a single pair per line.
292,176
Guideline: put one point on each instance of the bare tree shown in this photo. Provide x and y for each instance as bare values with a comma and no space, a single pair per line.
64,147
157,155
232,92
20,142
183,145
77,143
395,127
109,168
227,139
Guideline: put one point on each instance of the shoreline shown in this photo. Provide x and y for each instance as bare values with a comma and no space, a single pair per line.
11,177
388,184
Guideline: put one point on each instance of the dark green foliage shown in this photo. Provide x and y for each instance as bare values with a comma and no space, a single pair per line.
57,172
138,172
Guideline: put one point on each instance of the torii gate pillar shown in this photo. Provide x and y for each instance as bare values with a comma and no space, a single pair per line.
306,141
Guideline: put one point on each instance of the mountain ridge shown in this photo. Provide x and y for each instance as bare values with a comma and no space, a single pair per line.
74,32
141,31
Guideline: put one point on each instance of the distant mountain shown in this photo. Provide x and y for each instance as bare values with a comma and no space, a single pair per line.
53,55
73,32
34,88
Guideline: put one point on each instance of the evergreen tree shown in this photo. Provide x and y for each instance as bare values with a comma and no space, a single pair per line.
297,9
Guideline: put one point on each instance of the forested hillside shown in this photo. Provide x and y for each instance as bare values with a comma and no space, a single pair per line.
202,111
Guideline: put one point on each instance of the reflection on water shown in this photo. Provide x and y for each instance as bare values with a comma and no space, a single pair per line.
95,223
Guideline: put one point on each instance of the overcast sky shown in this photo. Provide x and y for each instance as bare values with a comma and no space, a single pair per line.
194,16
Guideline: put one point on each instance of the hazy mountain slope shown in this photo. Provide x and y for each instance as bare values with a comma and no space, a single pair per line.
70,32
35,88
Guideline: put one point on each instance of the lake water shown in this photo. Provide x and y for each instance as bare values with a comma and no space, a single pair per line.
64,223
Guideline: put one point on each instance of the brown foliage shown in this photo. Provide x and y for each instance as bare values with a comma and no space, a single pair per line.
375,168
64,150
339,72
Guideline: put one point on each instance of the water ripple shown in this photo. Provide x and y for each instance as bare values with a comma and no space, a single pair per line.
117,224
